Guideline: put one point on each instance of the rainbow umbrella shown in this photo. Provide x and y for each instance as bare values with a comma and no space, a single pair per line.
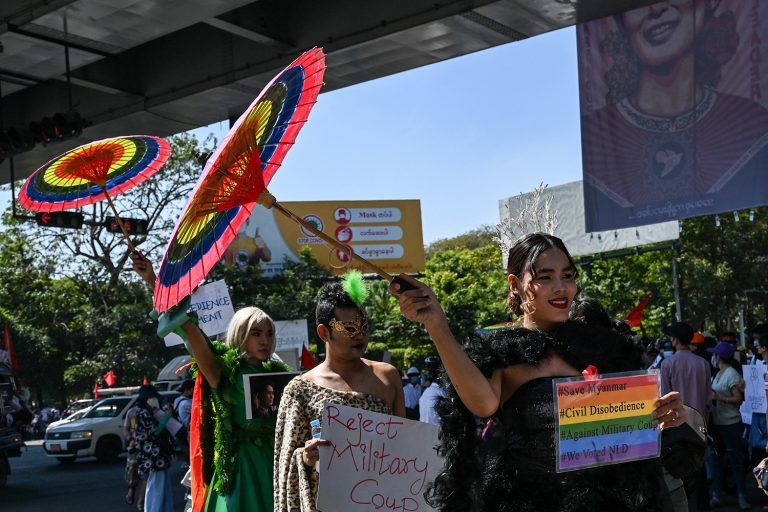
93,172
235,175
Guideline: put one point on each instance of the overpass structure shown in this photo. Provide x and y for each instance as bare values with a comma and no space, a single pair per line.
160,67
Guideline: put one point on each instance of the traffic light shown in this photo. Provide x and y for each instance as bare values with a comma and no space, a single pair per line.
60,127
55,128
60,219
132,226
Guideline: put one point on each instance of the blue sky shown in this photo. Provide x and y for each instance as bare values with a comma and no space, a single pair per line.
458,135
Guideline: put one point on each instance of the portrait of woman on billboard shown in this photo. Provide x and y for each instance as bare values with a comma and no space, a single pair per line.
673,122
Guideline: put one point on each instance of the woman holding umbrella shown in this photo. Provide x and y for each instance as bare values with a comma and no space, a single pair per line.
506,375
243,448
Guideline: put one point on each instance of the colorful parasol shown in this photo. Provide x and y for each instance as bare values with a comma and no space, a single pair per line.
94,172
226,193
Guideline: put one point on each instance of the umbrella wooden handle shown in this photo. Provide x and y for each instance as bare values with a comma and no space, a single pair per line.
267,200
131,247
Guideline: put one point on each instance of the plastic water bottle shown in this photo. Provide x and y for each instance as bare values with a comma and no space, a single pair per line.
316,430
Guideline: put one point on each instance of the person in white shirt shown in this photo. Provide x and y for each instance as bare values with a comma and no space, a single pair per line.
427,412
412,392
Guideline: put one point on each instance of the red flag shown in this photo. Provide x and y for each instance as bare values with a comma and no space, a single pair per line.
199,487
96,391
635,317
15,368
110,378
307,360
146,380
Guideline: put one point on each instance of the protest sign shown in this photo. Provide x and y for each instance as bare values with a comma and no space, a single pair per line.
606,420
375,461
213,306
263,392
214,311
754,391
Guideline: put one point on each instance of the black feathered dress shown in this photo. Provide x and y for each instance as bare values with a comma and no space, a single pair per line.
508,464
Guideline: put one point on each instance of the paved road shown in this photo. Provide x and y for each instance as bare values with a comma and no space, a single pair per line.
41,483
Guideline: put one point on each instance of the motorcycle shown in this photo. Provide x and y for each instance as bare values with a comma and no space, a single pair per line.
10,446
11,439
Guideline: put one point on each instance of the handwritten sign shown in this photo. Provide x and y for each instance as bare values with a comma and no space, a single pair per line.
214,311
213,306
754,391
375,461
606,420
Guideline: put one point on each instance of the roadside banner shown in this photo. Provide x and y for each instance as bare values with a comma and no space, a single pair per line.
386,232
375,461
674,121
567,201
291,334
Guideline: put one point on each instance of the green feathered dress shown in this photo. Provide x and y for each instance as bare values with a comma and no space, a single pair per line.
244,451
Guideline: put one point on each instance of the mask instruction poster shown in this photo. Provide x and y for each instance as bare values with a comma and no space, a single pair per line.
388,233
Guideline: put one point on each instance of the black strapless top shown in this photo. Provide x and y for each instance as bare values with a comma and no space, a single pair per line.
518,451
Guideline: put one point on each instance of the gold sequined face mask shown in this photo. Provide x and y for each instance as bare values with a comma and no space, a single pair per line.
350,328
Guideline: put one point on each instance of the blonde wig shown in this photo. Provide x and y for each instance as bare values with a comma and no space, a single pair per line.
241,324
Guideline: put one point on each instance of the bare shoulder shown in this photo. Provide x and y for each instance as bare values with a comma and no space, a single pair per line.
317,375
295,384
384,371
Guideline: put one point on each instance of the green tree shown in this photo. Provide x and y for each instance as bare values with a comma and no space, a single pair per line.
724,269
619,283
471,287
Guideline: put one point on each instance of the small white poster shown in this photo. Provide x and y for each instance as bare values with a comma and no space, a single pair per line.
375,461
291,334
754,391
173,339
213,306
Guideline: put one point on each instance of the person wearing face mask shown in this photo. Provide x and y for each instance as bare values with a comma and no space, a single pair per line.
726,425
688,374
668,350
412,392
153,460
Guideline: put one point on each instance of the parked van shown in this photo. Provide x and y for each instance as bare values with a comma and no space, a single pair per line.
99,432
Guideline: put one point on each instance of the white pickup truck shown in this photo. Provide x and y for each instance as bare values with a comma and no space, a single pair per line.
99,432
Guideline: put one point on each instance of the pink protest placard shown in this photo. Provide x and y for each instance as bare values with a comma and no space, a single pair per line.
375,461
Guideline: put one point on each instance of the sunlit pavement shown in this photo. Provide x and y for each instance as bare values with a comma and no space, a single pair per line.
41,483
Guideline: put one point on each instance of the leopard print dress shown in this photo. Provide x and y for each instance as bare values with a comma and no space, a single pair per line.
302,402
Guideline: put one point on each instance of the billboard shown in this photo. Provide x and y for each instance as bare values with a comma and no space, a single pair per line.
673,115
388,233
568,205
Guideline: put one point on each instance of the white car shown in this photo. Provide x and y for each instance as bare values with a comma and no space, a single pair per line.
72,417
99,432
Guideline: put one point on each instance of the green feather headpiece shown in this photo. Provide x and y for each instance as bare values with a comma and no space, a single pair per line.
355,287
